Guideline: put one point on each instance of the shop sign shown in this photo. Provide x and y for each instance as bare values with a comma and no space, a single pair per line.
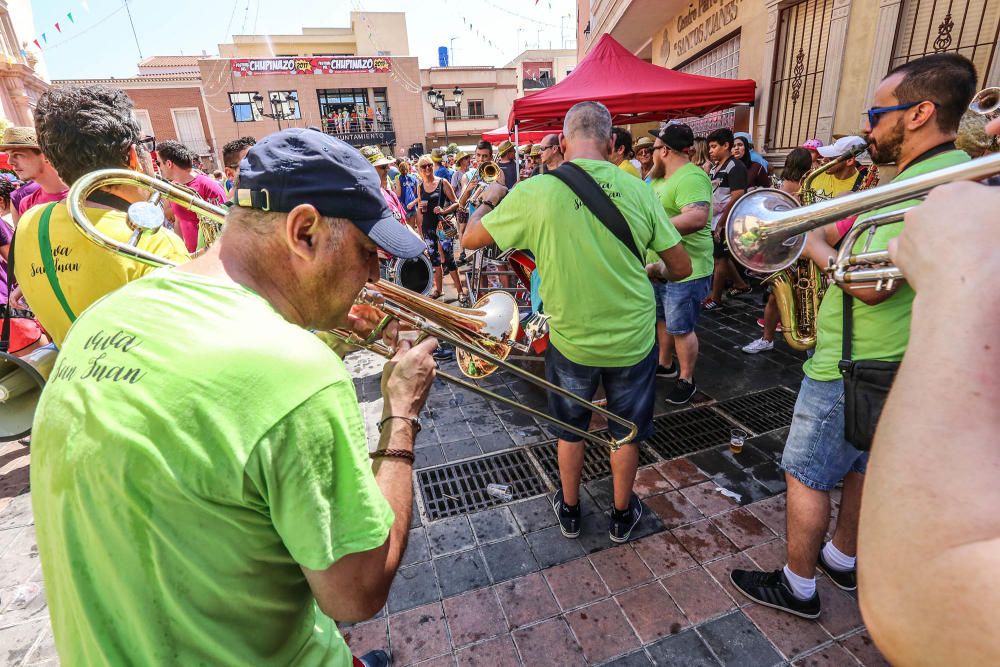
328,65
386,138
700,25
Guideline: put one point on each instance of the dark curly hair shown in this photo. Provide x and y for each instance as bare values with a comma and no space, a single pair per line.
6,188
83,128
176,152
231,151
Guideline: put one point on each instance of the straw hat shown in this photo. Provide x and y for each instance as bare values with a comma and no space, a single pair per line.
505,146
19,137
643,142
436,155
461,155
536,151
375,156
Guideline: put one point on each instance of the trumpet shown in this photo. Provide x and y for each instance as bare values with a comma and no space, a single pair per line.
488,173
484,335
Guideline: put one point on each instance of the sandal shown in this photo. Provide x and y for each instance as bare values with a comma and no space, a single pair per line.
434,295
736,291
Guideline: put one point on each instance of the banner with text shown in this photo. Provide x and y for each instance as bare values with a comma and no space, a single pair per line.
328,65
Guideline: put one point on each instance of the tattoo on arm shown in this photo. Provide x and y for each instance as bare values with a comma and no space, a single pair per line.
698,205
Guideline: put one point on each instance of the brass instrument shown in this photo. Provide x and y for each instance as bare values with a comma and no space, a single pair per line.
799,288
483,335
488,173
209,227
986,102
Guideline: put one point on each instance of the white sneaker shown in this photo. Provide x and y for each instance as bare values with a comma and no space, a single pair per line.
759,345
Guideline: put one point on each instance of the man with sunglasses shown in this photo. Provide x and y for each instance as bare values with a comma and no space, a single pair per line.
232,153
550,155
913,123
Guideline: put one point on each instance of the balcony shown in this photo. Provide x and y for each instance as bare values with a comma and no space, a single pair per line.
544,82
362,131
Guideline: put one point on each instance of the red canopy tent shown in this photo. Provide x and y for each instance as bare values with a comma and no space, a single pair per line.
633,90
502,134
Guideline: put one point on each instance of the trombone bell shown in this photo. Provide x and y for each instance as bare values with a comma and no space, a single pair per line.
21,383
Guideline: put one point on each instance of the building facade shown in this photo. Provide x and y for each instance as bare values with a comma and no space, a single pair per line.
23,77
538,69
487,96
816,62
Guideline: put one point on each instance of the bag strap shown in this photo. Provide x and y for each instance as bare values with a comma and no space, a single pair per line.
598,202
48,261
848,333
7,314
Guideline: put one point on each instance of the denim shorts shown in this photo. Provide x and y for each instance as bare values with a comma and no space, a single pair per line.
630,390
659,293
682,304
816,452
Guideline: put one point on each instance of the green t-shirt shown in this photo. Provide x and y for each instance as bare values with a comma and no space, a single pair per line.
881,332
192,449
595,290
688,185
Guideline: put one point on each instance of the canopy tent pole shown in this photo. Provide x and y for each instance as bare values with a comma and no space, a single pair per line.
753,128
517,143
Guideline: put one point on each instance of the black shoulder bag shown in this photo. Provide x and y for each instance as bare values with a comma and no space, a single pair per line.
597,200
866,386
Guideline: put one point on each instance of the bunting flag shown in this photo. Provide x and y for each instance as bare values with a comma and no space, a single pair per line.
69,15
44,38
37,44
58,29
42,41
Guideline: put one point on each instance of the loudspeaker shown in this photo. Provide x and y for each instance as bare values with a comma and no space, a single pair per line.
21,383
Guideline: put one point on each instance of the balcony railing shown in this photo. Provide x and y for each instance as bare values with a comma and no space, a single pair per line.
482,116
361,131
543,82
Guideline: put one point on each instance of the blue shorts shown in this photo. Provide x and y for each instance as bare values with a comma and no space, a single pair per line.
431,240
630,390
682,304
659,294
816,452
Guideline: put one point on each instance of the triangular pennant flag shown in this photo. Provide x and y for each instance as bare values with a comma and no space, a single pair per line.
46,39
58,29
69,15
36,43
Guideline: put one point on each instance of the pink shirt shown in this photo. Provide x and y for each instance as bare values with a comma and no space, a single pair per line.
209,190
37,197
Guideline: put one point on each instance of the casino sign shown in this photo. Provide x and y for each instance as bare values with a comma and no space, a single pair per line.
325,65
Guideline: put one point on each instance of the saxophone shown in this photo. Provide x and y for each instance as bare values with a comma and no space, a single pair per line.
799,289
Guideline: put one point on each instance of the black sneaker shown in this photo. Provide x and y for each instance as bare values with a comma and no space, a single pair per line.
569,520
771,589
443,353
622,523
666,371
844,580
682,393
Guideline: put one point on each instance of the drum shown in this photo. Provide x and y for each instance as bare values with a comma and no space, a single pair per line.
416,275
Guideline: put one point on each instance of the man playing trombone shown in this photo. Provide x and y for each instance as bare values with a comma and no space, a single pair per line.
200,473
913,123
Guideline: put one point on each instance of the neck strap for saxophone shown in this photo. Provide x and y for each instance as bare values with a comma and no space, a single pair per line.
48,261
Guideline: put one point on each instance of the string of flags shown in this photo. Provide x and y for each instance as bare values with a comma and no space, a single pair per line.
41,41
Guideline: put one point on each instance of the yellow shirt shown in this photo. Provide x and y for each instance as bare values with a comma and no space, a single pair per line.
86,272
627,166
828,186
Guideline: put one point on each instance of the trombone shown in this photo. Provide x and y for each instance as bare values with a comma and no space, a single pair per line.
484,335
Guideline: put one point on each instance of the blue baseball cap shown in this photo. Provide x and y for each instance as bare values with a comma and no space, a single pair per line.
305,166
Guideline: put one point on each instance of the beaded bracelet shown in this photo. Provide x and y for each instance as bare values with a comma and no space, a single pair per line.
413,420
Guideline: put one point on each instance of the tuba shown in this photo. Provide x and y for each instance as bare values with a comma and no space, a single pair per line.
799,288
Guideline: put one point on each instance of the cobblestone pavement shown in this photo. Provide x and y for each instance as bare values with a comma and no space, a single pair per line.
492,583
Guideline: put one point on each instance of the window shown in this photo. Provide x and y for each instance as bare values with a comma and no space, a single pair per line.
476,109
190,132
145,125
282,107
453,111
544,73
722,62
344,110
244,110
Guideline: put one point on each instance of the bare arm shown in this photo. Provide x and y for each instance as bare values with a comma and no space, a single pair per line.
355,587
819,251
677,263
733,196
693,217
476,236
929,513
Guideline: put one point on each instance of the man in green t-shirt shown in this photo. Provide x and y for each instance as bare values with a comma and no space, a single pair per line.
598,297
202,486
685,191
913,124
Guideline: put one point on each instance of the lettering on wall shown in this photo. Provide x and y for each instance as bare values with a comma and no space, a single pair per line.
697,26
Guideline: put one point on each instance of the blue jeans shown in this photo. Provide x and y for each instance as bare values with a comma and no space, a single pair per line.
630,390
816,452
659,295
682,304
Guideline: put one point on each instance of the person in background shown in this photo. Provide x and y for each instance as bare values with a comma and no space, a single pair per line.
459,181
8,185
912,123
842,178
813,146
219,178
729,183
798,163
756,173
232,154
441,170
685,192
621,152
507,163
550,153
530,166
644,153
176,162
26,333
699,154
598,295
754,155
437,199
406,190
28,162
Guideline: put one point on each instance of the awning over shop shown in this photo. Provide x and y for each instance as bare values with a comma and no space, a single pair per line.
633,90
502,134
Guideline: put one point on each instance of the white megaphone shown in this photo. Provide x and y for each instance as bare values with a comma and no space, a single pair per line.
21,383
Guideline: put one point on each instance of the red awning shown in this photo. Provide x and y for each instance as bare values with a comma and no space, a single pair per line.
502,134
633,90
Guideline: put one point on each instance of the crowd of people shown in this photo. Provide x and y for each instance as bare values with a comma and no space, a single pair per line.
196,401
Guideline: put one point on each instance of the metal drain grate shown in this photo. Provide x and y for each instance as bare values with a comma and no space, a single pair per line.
688,431
459,488
596,462
761,412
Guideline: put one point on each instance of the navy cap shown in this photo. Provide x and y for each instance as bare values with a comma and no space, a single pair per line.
305,166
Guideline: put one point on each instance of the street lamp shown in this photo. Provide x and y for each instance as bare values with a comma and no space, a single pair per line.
277,110
436,99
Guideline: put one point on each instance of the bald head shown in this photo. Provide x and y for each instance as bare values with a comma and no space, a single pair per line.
587,131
